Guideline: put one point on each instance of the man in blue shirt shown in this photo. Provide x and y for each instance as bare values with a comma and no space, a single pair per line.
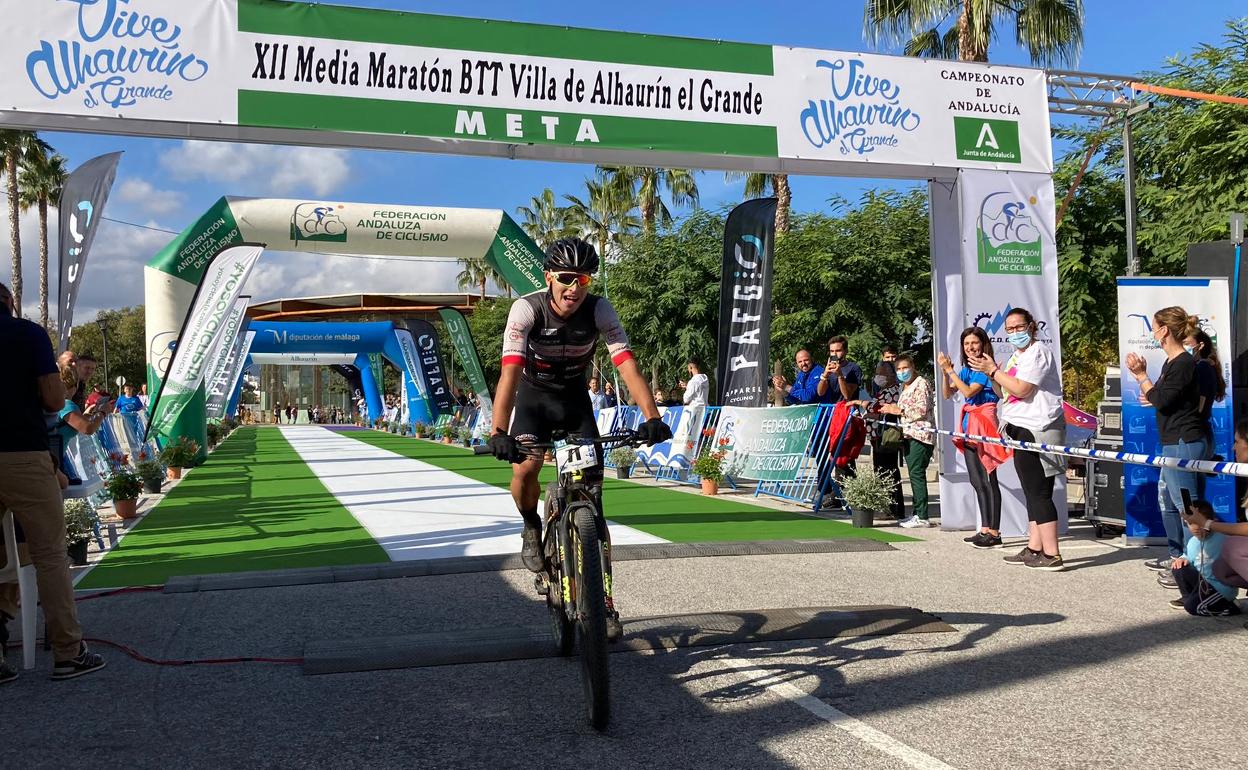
841,378
129,402
804,389
31,385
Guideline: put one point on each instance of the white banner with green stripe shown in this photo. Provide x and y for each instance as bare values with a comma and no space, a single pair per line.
369,77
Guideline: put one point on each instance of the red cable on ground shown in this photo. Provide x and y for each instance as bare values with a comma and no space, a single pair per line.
193,662
116,591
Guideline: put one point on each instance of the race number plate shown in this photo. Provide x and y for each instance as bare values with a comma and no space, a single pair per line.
574,457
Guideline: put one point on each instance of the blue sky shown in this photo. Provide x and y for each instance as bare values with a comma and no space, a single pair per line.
1121,37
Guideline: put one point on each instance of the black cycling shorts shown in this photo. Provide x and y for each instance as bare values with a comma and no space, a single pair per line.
539,412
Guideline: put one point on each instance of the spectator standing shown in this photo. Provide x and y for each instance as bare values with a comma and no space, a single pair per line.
85,366
841,378
29,487
595,394
914,406
1209,381
1181,428
889,354
979,401
129,402
1030,409
143,394
609,397
73,421
806,378
698,386
887,441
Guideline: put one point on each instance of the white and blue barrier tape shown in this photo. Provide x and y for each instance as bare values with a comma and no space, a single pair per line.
1129,458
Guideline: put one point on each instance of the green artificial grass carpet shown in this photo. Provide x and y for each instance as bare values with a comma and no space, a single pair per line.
254,505
672,515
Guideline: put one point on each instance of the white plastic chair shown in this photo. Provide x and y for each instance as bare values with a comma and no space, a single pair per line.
27,588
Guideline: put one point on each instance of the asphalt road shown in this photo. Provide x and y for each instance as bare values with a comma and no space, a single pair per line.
1083,668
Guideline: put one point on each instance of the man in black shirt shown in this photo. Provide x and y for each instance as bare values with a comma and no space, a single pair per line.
28,487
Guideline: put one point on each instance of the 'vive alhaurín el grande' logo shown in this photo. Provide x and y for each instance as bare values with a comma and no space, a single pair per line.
317,222
1007,239
863,111
119,56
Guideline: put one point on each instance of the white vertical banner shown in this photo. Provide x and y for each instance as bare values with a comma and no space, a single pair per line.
222,283
1008,261
220,387
225,344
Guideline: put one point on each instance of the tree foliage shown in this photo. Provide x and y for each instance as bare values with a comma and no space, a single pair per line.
127,345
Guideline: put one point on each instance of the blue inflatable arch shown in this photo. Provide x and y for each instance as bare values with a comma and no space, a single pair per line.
289,342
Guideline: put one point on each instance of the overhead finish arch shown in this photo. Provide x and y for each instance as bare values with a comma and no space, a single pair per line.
322,226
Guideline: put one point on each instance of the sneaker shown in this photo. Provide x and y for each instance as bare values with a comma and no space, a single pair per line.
1020,557
85,663
1166,580
7,672
531,550
915,522
1045,563
975,538
1177,604
989,541
615,629
1161,564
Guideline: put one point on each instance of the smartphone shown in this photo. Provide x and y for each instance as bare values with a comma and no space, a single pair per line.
1187,502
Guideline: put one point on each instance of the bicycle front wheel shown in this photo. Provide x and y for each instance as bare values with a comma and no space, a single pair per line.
592,616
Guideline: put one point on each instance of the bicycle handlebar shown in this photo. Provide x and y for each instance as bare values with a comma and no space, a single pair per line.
623,437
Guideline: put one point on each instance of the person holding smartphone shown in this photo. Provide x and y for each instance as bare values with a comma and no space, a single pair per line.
841,377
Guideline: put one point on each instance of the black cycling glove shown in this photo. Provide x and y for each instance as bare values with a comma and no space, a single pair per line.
505,448
653,431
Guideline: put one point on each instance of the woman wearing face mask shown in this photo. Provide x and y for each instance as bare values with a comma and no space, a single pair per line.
978,417
1209,380
1181,429
914,406
1031,410
886,439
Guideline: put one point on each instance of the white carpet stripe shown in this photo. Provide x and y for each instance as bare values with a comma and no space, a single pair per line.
415,510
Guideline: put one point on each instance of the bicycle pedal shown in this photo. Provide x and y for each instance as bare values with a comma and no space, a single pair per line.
541,586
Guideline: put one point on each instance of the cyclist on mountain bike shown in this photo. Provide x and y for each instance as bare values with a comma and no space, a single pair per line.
547,348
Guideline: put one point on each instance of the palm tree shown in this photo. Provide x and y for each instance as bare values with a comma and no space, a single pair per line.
604,217
758,185
15,144
646,185
1050,30
475,273
544,220
42,177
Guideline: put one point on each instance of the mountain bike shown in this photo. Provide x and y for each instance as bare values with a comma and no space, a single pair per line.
576,580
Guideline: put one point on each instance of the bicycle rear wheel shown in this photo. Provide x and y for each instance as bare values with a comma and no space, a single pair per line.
592,616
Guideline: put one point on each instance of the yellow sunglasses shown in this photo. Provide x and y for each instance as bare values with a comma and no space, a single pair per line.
568,279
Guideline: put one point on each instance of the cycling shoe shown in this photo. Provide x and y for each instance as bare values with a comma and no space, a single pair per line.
531,551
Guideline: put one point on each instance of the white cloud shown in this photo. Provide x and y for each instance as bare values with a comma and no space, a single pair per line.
262,170
286,274
141,192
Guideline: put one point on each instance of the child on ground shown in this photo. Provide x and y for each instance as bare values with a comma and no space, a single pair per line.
1202,593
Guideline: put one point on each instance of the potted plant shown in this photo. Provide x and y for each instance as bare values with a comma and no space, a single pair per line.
419,430
867,493
623,457
152,475
123,487
447,433
178,455
214,434
79,526
709,464
403,429
465,436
